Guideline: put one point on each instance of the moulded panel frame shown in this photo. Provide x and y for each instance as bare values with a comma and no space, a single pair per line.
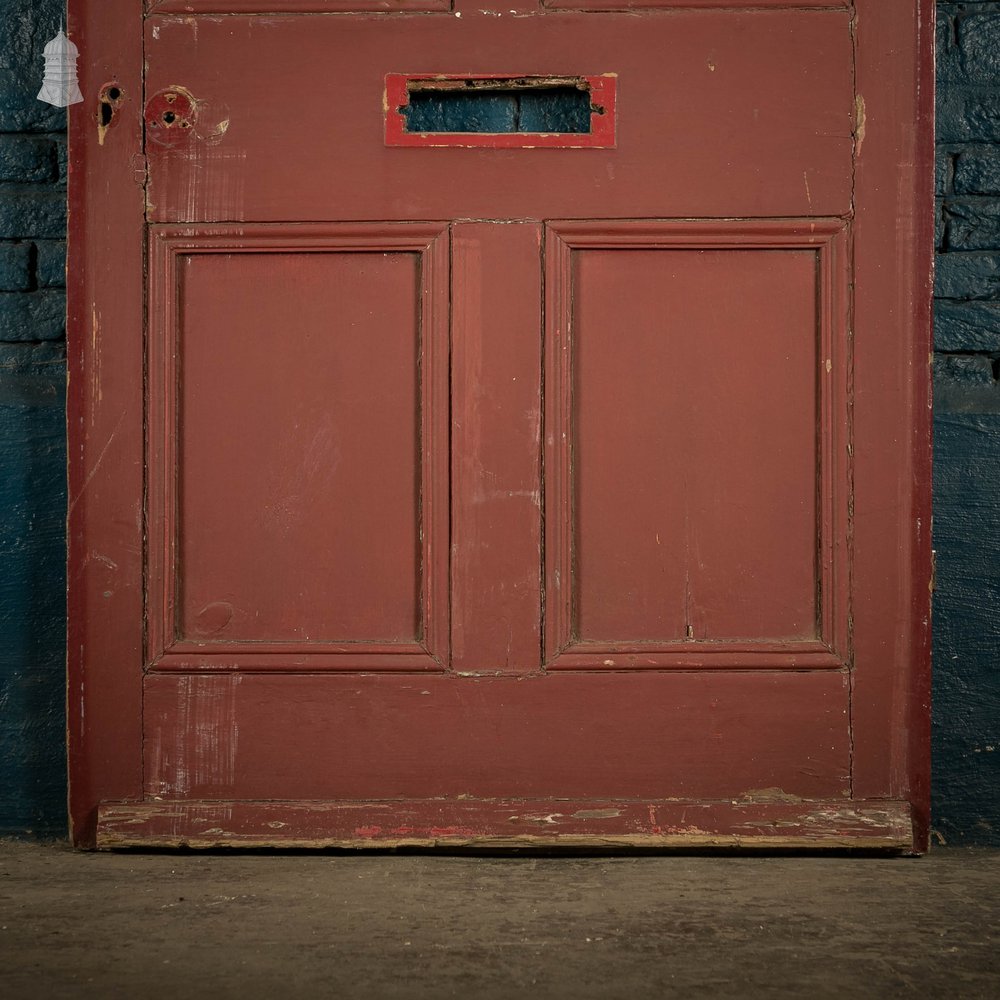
611,6
165,650
603,92
829,239
295,6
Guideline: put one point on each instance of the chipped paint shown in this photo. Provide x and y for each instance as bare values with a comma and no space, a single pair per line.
487,824
207,748
97,392
768,795
860,124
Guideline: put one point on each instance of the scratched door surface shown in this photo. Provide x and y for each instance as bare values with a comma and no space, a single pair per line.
500,425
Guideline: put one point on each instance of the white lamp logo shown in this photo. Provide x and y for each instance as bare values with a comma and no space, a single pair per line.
60,86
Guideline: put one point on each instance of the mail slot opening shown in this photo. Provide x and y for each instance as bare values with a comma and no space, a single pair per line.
500,111
500,106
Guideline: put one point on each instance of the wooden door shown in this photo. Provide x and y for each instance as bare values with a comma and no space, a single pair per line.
500,425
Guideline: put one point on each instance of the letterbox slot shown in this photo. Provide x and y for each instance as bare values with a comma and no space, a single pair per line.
500,111
485,106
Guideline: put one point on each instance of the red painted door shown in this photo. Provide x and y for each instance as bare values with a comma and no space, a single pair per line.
500,425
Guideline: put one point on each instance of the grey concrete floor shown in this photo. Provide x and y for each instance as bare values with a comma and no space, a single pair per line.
415,926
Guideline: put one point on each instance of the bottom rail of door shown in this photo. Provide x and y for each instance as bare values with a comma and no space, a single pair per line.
777,824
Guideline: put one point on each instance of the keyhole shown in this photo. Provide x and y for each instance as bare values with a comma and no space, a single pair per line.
109,103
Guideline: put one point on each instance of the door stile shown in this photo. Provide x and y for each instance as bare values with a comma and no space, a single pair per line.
104,416
892,405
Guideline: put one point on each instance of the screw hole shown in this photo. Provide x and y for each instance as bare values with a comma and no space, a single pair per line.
170,98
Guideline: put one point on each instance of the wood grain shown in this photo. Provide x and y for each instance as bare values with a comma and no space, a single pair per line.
882,825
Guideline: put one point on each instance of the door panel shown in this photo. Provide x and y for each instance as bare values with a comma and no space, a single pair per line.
502,494
292,6
609,5
294,374
279,413
695,385
697,497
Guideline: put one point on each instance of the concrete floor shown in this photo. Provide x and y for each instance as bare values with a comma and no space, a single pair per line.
434,926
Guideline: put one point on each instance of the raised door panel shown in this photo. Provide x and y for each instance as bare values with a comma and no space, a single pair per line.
298,448
696,470
292,6
612,5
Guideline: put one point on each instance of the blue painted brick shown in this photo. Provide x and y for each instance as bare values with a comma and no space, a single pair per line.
979,47
968,114
51,263
28,158
943,172
972,370
949,66
35,211
967,326
977,171
967,276
15,267
974,225
29,316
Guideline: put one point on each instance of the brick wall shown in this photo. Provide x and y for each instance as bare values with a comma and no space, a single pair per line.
966,783
32,428
967,427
